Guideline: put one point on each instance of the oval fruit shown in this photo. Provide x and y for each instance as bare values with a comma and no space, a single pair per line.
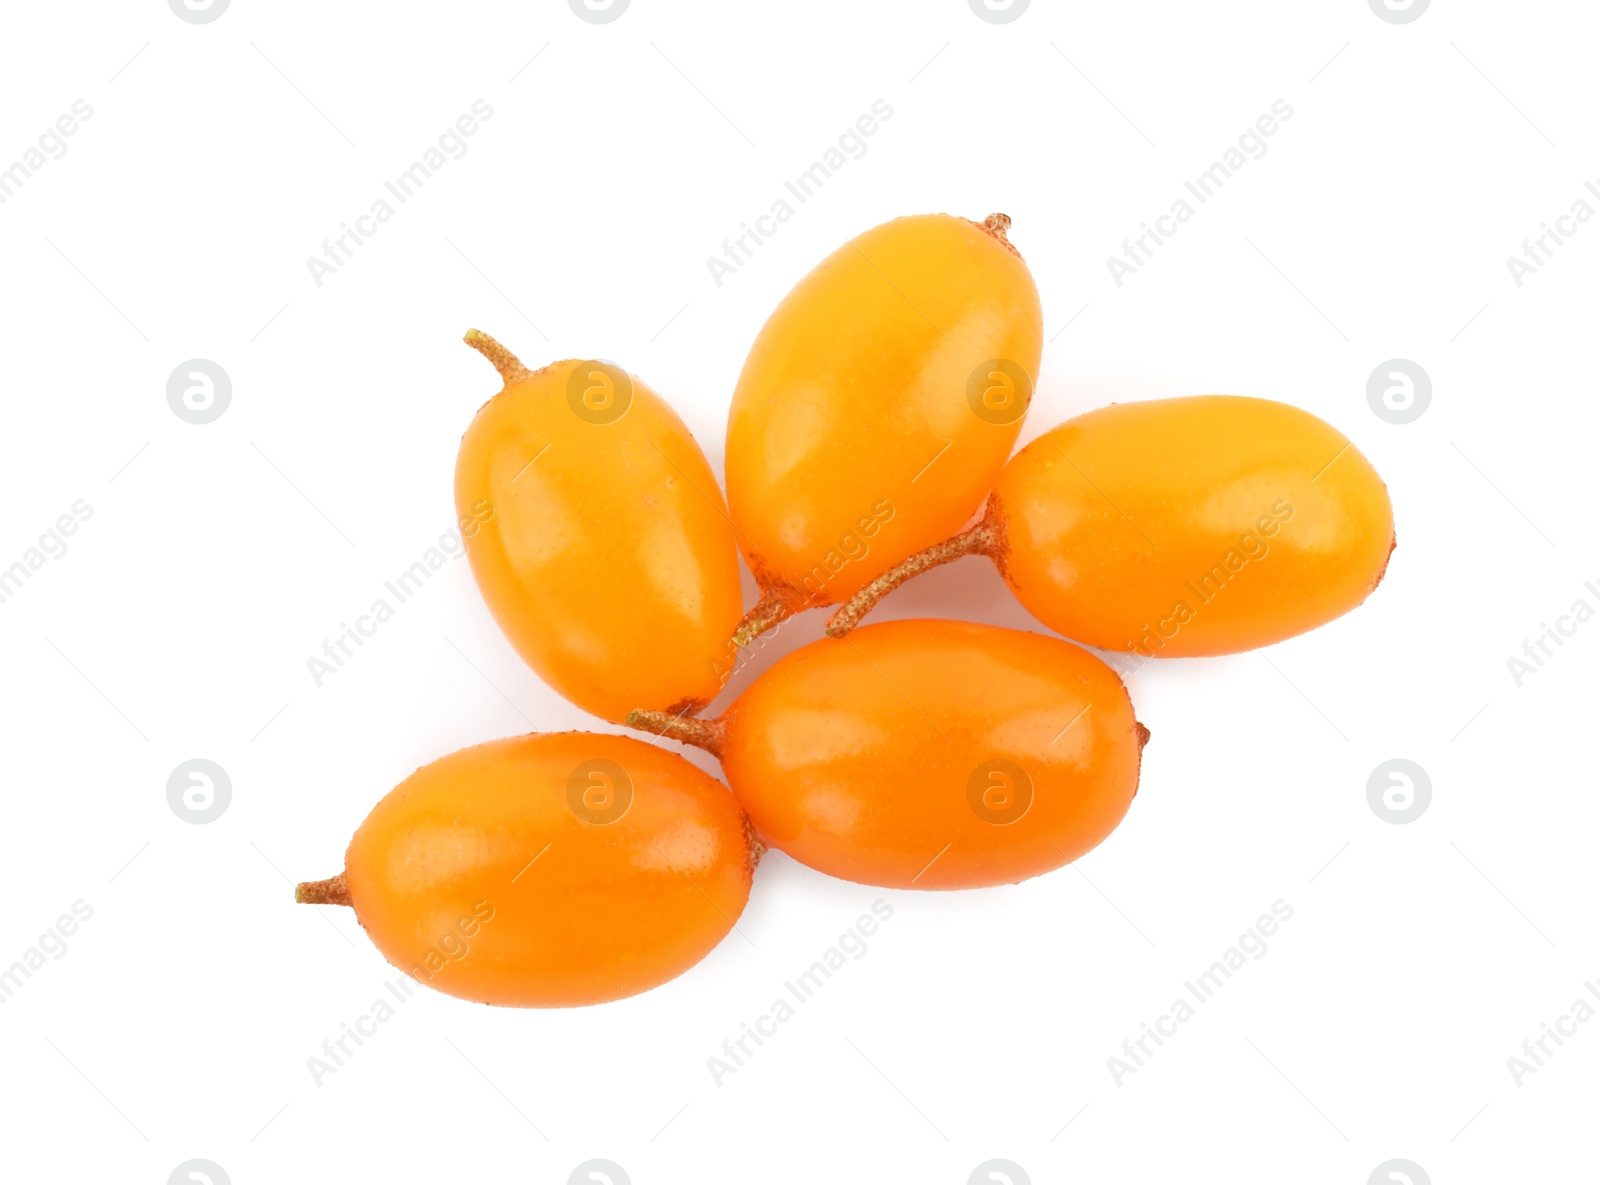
548,870
929,754
1178,528
877,405
598,536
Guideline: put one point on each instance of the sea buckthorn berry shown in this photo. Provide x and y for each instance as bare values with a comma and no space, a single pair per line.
548,870
1177,528
877,406
598,536
929,754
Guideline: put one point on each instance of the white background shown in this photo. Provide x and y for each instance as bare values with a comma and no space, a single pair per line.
219,557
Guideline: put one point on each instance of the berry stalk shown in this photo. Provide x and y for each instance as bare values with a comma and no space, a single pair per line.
983,539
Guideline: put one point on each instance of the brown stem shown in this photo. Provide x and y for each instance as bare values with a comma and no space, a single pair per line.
754,845
980,540
508,364
778,603
333,891
996,226
703,734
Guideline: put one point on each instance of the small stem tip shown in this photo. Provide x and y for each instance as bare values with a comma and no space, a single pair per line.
978,541
333,891
777,605
995,226
1144,735
508,364
703,734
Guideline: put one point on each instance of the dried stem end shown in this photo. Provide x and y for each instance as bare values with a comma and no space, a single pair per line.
333,891
995,226
754,845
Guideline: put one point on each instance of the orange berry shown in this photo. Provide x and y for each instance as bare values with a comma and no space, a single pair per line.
929,754
1177,528
877,405
548,870
598,536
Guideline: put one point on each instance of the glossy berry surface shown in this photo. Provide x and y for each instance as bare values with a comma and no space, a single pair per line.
549,870
1196,526
879,402
934,754
599,538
